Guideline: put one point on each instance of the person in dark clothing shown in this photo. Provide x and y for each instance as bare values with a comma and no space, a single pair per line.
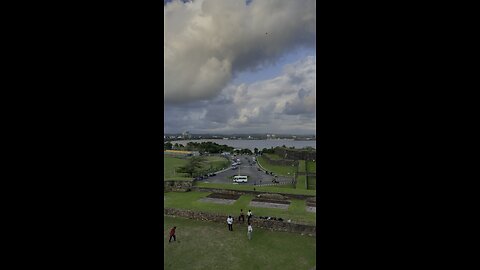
242,216
172,234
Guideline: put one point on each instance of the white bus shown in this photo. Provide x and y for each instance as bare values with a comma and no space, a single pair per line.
240,178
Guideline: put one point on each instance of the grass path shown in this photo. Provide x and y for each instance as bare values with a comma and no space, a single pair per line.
209,245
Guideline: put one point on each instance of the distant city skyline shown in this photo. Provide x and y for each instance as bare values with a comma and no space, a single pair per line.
240,67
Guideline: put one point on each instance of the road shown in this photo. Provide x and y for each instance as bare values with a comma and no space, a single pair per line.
249,168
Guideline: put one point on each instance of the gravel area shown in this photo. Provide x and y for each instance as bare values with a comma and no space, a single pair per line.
270,201
224,196
219,201
269,205
311,209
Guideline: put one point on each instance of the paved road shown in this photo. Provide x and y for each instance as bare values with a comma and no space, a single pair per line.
250,168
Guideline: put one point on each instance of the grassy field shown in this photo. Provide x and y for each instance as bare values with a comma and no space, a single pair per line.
301,166
189,200
277,169
215,163
312,166
211,164
301,182
312,183
172,163
262,189
208,245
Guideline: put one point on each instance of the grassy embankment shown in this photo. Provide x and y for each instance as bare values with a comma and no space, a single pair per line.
277,169
190,200
208,245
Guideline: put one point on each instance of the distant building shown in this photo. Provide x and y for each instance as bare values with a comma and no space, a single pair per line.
186,135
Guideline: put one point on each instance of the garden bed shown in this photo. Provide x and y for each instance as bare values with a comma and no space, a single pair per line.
270,201
225,196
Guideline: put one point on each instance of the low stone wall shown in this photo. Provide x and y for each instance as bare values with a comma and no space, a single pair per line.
177,185
273,225
243,192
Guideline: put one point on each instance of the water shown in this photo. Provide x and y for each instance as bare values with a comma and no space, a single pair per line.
252,144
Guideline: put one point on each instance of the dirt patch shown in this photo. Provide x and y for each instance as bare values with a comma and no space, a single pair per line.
224,196
270,201
311,209
269,205
215,200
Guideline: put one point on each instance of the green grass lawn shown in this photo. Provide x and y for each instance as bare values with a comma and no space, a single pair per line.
277,169
189,200
172,163
211,164
215,163
209,245
273,189
312,166
312,183
301,182
301,166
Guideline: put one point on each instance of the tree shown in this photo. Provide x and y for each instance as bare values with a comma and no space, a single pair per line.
246,151
193,165
255,150
167,146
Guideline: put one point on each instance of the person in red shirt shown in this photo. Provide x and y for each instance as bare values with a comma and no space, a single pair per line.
172,234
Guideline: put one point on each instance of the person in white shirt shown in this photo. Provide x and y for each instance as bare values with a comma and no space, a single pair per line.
249,231
230,223
249,215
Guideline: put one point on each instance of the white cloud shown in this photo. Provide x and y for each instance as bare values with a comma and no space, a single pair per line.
207,41
285,104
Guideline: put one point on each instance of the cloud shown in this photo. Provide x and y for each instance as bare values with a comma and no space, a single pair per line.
206,42
284,104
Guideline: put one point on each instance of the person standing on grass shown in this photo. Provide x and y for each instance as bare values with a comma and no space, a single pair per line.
230,223
249,215
242,216
249,231
172,234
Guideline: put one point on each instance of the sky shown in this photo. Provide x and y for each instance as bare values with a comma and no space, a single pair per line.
234,67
